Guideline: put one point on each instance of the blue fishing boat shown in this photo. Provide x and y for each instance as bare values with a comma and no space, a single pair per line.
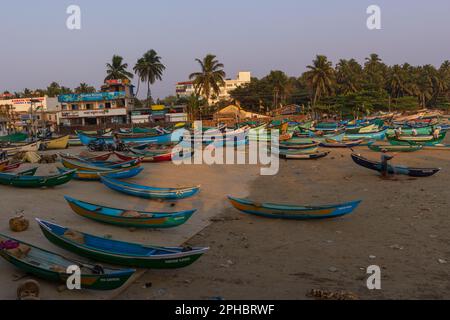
293,212
150,192
113,174
137,138
119,252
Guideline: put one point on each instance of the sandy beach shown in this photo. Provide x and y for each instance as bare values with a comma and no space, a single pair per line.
401,225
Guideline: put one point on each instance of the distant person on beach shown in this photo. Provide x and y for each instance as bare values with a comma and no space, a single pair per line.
116,140
436,133
384,163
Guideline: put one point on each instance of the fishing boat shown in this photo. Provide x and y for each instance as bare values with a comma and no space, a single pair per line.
380,135
287,145
119,252
129,218
150,192
11,165
330,143
398,169
283,152
32,181
13,149
293,212
131,138
53,267
14,138
114,174
79,164
427,140
390,148
305,156
152,156
373,128
57,143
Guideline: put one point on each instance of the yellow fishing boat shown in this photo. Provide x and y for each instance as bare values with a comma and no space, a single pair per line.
57,143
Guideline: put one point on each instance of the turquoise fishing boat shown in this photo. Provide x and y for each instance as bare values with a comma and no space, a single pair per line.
53,267
150,192
118,252
129,218
293,212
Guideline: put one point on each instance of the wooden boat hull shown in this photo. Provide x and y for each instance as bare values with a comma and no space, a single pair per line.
413,140
113,174
391,148
160,139
306,156
403,170
160,220
33,147
121,253
58,143
51,266
87,166
278,211
11,166
343,144
14,138
150,192
26,181
299,145
381,135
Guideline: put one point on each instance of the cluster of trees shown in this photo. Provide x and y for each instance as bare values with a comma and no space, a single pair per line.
324,86
53,90
350,85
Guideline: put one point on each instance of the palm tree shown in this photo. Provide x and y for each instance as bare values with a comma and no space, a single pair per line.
320,78
211,77
375,71
149,69
282,86
349,76
84,88
117,69
396,81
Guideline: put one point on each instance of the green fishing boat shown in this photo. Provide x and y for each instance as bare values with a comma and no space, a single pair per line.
426,140
53,267
14,138
29,180
392,148
119,252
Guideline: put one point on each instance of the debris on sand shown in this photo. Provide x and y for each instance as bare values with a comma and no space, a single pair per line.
329,295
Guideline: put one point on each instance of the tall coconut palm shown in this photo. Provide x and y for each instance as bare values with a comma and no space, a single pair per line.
210,78
375,71
117,69
149,69
349,76
320,78
396,81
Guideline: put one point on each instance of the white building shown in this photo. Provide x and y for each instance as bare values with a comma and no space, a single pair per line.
21,110
186,89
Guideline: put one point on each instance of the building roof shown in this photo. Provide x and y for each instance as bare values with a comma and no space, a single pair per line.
235,111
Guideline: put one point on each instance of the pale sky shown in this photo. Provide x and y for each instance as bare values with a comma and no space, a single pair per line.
246,35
